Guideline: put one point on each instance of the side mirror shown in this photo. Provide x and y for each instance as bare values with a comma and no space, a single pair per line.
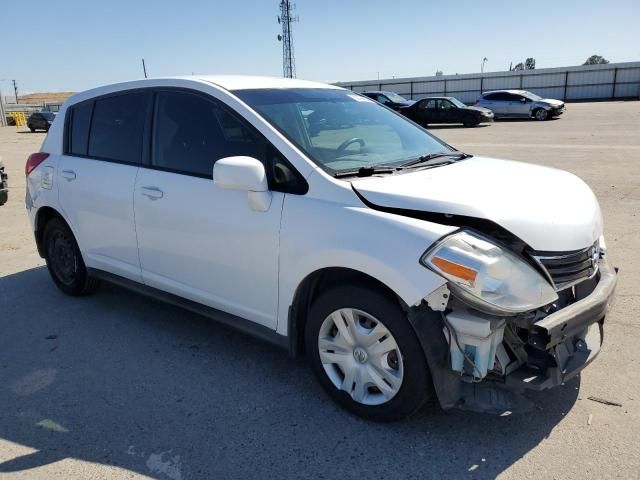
523,100
246,174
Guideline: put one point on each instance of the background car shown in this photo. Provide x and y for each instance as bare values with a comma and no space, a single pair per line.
4,187
389,99
40,121
520,104
446,110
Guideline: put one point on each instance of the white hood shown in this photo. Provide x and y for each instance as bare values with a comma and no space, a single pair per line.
549,209
551,101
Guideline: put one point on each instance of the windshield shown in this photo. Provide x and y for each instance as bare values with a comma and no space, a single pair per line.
532,96
457,102
340,130
394,97
48,115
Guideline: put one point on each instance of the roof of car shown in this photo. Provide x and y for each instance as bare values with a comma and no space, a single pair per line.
503,91
247,82
384,92
228,82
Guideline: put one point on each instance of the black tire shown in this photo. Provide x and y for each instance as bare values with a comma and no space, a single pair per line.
471,122
64,260
416,387
33,130
541,114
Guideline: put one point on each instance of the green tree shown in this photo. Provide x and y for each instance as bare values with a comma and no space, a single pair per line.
530,63
596,60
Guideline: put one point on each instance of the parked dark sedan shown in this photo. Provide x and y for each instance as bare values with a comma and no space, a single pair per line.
40,121
389,99
446,110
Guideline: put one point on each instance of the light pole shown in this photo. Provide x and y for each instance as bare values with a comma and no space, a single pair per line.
482,65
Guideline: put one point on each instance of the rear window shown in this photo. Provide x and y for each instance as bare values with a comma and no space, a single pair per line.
79,128
117,128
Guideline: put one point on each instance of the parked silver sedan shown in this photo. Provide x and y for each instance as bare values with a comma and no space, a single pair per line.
520,104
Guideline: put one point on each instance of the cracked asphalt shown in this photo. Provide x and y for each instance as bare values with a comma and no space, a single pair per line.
120,386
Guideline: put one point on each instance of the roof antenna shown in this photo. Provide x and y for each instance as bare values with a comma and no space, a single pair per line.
144,68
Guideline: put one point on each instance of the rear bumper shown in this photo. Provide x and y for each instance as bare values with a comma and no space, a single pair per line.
571,336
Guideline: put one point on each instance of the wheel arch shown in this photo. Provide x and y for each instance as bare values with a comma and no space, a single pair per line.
318,282
43,215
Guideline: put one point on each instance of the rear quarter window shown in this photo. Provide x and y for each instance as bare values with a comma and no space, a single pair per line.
78,133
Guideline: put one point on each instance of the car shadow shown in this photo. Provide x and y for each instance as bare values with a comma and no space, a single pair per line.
445,126
121,380
524,120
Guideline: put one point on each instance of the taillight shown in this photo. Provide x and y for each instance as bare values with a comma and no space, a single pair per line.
33,161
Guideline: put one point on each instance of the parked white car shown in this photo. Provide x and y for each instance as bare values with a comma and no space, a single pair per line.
520,104
315,218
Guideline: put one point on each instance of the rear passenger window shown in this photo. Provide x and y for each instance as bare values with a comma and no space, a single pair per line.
79,128
117,128
192,133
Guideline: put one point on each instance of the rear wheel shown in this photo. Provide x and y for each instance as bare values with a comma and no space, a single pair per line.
64,260
366,355
33,130
541,114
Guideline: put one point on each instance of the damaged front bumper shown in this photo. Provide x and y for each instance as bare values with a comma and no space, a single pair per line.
535,354
572,335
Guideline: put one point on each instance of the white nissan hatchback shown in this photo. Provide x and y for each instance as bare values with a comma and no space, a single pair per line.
318,219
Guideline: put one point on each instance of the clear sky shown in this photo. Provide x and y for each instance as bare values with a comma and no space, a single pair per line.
77,44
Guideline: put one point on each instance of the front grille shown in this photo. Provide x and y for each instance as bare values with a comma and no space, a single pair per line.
567,269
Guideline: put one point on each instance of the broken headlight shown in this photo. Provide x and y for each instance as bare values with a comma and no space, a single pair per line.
488,277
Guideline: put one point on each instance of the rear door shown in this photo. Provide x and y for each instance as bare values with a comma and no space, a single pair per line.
195,239
428,111
498,102
97,173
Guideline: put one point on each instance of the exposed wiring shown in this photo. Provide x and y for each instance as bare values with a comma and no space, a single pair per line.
453,334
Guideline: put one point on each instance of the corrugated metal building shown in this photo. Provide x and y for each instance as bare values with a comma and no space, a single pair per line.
585,82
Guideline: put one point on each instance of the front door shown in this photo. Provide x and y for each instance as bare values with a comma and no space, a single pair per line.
195,239
447,111
520,105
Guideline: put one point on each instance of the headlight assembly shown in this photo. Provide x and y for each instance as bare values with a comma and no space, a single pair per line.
487,276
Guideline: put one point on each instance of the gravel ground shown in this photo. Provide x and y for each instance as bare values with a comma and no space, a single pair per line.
120,386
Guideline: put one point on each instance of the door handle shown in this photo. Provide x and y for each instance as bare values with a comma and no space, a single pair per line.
68,174
152,192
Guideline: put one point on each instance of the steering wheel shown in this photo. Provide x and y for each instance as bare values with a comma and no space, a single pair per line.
341,150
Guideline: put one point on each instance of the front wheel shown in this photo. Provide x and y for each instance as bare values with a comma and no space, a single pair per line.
366,355
64,260
471,122
541,114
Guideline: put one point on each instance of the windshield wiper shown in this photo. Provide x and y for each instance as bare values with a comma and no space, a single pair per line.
424,159
366,171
